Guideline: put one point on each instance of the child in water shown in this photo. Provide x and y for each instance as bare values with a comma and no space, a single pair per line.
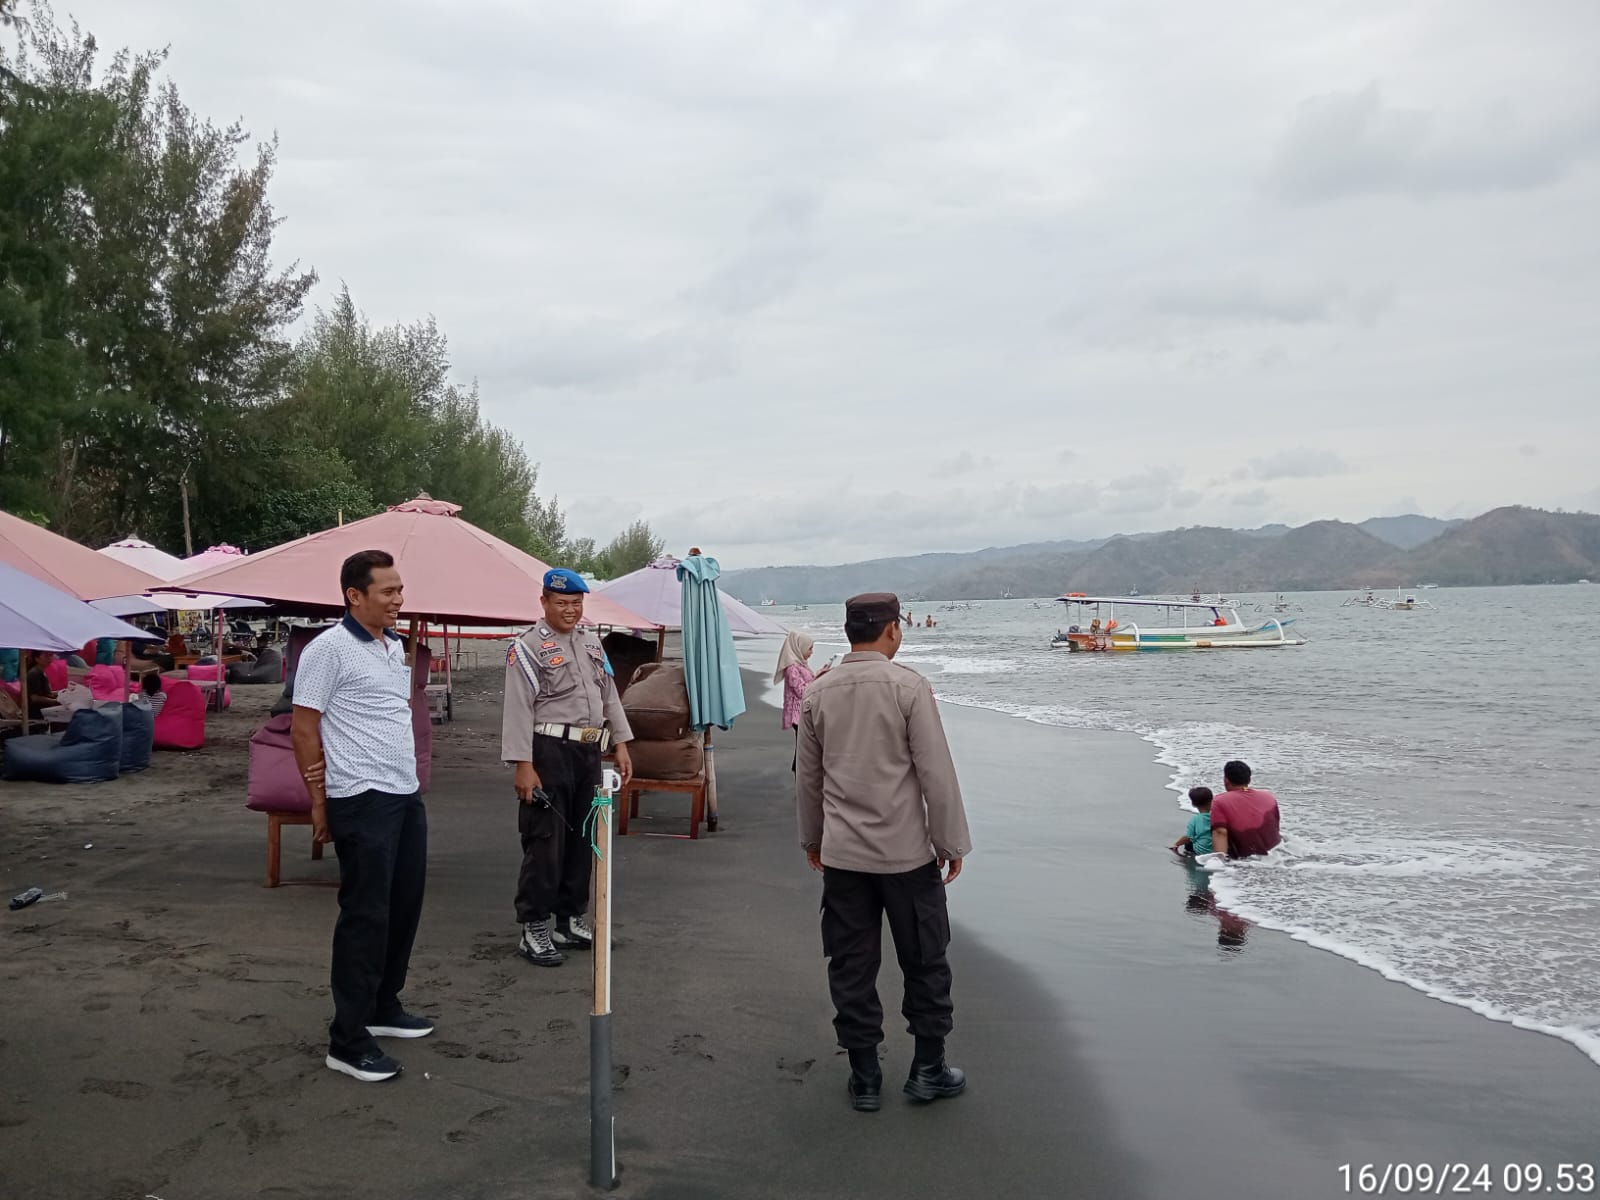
1196,837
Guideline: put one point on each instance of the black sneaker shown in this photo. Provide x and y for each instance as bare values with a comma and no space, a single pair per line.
372,1067
536,945
573,933
402,1025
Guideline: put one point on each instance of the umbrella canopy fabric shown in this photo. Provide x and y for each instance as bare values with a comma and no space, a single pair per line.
36,616
166,566
207,559
710,664
168,600
150,559
654,592
453,571
65,565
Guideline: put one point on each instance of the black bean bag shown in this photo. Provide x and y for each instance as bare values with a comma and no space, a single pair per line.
268,668
89,751
138,736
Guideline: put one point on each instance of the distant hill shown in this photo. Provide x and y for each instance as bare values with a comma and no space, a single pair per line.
1508,545
1408,532
1511,545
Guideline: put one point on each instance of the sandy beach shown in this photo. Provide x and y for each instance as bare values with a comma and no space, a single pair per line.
165,1024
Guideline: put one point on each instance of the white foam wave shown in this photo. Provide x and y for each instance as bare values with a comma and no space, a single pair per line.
950,664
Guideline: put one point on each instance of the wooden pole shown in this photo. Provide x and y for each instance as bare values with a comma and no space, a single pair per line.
27,665
602,1117
711,784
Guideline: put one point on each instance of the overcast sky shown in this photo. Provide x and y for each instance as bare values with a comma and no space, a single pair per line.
815,280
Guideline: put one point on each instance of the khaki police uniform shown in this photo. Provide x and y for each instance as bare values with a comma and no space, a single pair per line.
561,712
877,795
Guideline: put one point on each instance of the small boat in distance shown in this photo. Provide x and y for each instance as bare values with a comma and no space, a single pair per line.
1402,601
1165,625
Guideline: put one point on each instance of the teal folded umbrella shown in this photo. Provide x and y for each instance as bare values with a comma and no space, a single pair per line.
710,667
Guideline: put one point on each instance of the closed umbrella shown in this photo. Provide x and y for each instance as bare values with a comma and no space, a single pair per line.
710,666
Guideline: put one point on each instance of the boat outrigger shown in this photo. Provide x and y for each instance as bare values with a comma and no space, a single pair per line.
1402,602
1165,625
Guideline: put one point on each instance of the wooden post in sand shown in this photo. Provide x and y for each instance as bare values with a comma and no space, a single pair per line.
26,661
711,784
602,1117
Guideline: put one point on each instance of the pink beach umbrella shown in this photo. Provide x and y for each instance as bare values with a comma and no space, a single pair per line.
65,565
454,572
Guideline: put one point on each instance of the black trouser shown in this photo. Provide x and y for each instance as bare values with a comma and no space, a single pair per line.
555,851
382,842
853,908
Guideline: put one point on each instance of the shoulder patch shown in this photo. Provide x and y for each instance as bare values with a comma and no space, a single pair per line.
549,646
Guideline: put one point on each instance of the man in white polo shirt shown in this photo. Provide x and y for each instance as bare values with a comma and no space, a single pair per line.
354,745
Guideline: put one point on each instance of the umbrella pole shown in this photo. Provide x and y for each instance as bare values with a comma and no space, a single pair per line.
602,1116
711,785
27,665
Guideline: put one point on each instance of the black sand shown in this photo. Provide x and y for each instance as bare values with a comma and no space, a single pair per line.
165,1025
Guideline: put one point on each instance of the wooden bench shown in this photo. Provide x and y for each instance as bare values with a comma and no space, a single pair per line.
275,823
695,787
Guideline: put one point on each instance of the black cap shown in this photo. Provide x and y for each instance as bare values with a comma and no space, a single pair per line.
873,606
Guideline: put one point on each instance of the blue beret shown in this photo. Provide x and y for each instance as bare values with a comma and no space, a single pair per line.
563,580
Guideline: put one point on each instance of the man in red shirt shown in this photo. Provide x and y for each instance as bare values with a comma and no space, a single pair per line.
1244,820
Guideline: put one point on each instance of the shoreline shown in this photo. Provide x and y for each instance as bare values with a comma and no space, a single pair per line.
1586,1044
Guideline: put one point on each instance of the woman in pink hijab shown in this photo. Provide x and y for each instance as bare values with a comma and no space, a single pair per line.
794,669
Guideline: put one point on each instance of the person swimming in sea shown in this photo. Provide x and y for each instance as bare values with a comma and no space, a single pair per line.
1196,839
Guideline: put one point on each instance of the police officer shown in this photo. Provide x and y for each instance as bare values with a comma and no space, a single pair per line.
881,816
560,698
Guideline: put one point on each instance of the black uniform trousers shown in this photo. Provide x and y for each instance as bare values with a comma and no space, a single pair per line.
556,858
382,842
853,907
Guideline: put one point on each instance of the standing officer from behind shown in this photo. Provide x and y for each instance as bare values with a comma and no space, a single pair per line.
560,696
880,816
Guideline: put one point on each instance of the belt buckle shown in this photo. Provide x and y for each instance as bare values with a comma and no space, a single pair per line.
590,736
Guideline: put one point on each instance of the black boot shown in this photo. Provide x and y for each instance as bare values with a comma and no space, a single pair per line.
930,1079
866,1080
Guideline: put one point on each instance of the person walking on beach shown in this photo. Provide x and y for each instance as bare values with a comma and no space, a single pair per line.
1244,820
880,816
794,672
356,751
560,697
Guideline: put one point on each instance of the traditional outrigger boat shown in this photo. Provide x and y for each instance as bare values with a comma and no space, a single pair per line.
1402,602
1169,625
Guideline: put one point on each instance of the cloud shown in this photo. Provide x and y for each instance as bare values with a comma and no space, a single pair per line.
1302,462
964,463
1528,450
1256,498
1353,143
779,244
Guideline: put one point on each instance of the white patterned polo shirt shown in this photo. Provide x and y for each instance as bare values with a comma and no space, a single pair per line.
362,687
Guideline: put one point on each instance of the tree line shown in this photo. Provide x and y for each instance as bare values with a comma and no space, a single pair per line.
151,379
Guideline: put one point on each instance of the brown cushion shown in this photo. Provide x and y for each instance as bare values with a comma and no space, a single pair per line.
680,758
657,703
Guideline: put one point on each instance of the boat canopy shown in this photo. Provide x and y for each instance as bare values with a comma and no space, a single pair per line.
1140,601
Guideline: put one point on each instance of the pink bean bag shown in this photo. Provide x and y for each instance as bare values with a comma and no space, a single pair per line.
275,784
209,672
108,682
55,674
181,723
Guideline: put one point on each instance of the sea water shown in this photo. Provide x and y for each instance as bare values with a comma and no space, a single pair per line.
1435,771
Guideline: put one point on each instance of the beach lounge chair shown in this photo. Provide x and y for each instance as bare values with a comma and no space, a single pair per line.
267,668
90,751
275,788
107,682
209,673
181,723
138,736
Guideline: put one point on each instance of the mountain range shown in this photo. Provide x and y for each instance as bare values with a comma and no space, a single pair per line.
1505,546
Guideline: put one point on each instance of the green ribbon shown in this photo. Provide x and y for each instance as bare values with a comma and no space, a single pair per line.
599,810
